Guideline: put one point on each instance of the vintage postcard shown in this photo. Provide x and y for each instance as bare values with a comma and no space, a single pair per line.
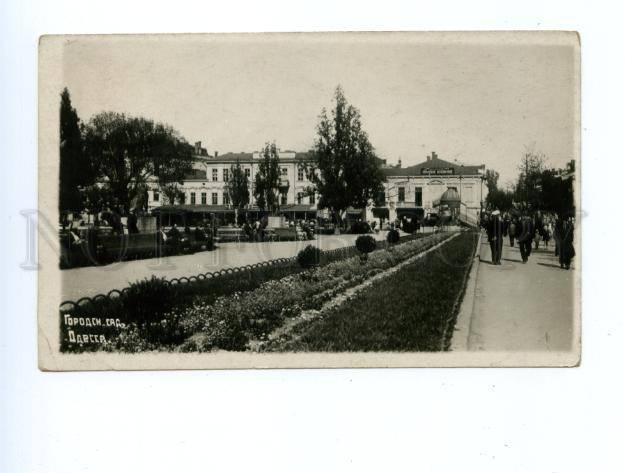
308,200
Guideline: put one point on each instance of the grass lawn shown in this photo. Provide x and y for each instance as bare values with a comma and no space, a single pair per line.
411,310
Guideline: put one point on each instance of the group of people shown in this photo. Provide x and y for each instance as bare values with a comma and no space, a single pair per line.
530,228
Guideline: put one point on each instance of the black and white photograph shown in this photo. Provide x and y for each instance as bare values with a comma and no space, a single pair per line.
309,200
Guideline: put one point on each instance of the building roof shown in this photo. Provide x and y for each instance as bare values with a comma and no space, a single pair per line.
246,157
433,164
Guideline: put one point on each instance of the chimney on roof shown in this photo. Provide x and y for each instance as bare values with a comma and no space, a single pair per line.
399,163
434,155
198,147
216,153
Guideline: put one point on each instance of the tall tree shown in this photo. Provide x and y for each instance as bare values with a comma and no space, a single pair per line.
492,178
528,190
267,179
75,170
238,185
127,150
345,170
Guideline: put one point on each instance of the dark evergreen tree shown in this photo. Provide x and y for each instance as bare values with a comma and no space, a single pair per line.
238,185
75,171
267,180
345,171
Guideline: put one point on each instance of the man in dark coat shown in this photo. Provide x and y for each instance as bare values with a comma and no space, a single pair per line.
495,236
567,251
525,235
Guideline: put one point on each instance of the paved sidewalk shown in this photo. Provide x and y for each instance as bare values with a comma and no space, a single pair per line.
89,281
522,307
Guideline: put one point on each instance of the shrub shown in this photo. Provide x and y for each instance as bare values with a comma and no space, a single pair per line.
360,228
309,257
147,300
411,226
392,237
366,244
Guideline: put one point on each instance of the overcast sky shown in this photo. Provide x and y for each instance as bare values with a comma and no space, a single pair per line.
480,102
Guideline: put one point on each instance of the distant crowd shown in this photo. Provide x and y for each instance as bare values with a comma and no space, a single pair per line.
530,229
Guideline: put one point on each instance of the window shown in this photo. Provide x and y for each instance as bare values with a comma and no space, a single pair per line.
401,194
418,196
203,198
299,197
311,199
183,198
226,174
247,172
283,199
300,174
192,198
156,196
214,198
215,177
285,171
226,199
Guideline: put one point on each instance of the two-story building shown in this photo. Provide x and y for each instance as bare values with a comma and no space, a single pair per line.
205,189
416,191
413,191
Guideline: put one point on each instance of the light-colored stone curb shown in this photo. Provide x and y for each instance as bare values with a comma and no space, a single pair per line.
462,330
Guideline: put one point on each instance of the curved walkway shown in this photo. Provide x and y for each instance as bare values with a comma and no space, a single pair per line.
89,281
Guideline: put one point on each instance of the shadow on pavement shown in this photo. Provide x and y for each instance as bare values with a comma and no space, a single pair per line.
557,266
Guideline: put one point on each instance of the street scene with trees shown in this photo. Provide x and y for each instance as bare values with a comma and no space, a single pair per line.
335,246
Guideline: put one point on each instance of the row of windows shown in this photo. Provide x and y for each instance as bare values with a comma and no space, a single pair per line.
226,198
226,174
401,194
418,194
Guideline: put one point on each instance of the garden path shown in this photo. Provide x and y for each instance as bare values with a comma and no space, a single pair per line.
90,281
522,307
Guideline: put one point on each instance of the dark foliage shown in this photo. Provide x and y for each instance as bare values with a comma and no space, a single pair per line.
360,228
366,244
75,169
392,237
346,171
309,257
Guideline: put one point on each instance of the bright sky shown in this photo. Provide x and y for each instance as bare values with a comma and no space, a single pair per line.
480,102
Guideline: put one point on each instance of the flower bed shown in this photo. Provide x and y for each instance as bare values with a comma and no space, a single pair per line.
145,309
231,322
418,314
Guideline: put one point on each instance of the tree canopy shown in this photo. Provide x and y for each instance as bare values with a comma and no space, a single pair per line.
75,168
238,185
345,170
127,150
267,179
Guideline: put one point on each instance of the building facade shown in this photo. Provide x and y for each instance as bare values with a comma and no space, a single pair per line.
207,184
415,191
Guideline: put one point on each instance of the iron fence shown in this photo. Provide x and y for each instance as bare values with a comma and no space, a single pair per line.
329,255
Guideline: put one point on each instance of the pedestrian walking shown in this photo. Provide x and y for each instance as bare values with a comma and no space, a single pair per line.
512,230
547,231
525,233
495,236
557,234
567,250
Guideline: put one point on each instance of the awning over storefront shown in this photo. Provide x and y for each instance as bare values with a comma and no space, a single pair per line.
380,212
410,212
199,209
